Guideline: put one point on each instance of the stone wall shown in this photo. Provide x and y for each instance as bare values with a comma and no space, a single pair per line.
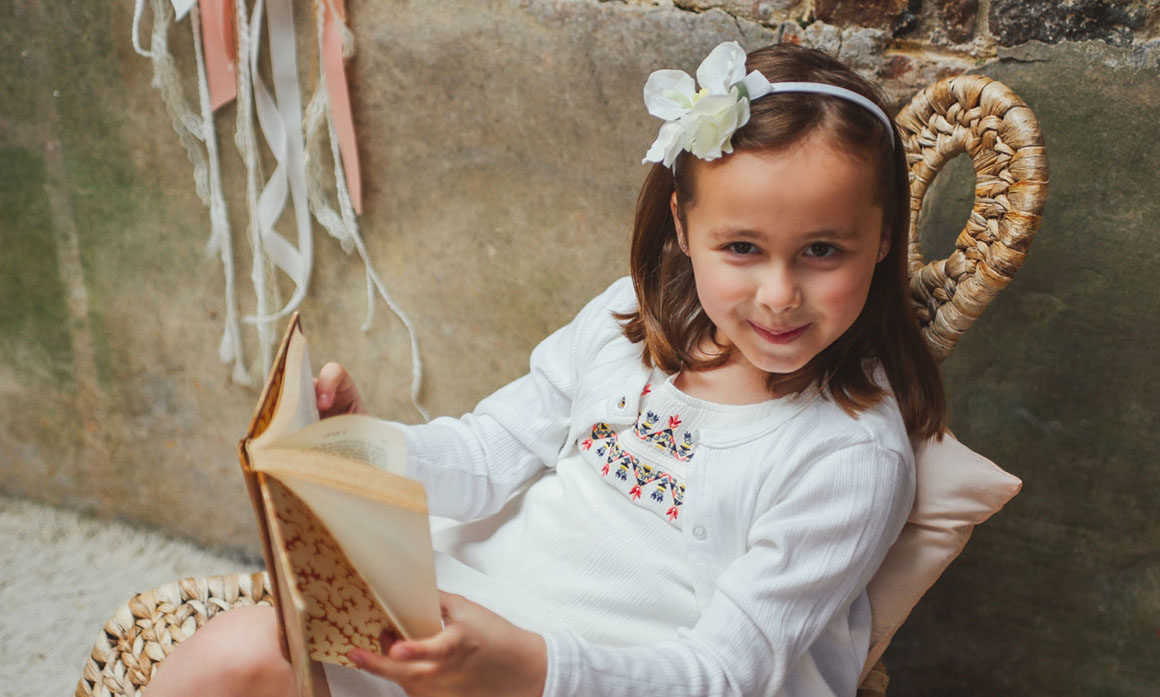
501,144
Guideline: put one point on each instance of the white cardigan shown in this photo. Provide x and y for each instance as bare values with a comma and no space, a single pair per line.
784,521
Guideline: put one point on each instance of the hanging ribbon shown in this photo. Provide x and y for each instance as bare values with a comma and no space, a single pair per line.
280,118
247,144
217,23
296,175
342,224
333,55
192,128
182,8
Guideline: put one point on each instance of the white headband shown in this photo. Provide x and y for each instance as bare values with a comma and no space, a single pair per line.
703,122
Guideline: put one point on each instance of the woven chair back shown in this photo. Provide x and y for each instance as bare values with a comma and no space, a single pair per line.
983,118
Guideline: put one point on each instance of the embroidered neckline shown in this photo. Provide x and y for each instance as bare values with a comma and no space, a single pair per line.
667,489
665,439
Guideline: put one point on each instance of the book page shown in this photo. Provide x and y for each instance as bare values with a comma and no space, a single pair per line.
389,546
296,406
355,436
378,521
292,606
336,609
356,479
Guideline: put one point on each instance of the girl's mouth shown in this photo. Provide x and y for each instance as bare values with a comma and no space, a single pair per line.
779,337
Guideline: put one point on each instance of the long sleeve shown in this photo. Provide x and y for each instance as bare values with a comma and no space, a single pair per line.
471,465
809,556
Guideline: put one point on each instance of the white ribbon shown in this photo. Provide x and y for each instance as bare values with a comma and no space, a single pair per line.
192,128
343,224
182,8
138,10
230,346
280,119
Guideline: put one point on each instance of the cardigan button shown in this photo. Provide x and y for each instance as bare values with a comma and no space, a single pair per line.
699,532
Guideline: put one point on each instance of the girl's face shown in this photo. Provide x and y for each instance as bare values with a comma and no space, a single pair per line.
784,245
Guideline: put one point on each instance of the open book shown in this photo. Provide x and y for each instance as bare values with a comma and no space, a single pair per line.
345,535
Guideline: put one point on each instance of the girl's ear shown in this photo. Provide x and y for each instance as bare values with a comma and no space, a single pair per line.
681,241
884,245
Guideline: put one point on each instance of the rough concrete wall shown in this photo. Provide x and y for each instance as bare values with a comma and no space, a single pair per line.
501,143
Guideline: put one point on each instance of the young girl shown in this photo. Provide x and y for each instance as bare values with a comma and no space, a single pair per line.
691,488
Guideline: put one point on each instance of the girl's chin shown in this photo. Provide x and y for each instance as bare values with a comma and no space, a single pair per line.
769,364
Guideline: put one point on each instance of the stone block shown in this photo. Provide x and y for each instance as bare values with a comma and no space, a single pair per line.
767,12
891,15
861,49
1018,21
822,36
949,24
957,19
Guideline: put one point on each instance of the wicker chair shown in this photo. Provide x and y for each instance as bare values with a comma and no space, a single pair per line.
966,113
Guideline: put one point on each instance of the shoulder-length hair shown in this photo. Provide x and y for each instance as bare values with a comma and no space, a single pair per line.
670,321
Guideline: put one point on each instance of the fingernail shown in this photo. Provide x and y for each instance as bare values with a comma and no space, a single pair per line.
356,658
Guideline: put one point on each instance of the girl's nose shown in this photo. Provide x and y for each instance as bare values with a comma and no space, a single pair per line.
779,291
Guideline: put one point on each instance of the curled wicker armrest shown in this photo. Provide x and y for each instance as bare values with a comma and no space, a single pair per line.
144,630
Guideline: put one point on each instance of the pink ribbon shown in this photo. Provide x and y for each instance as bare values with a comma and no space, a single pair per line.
339,95
219,43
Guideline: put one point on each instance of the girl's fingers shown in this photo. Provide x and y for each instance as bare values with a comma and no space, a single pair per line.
402,672
326,384
437,648
452,606
335,391
331,376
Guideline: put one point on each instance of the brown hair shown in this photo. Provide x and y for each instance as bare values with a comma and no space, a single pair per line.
670,320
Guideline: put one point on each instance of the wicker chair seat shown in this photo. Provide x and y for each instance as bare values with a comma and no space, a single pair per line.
144,630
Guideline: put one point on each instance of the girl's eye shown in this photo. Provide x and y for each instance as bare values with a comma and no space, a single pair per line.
742,247
821,250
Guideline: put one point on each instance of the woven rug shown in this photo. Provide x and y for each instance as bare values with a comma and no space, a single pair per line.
63,575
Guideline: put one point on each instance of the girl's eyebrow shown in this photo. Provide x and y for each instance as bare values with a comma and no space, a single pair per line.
726,233
830,233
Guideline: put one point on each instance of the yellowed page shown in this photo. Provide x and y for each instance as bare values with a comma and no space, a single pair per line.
355,436
356,479
296,406
377,519
391,548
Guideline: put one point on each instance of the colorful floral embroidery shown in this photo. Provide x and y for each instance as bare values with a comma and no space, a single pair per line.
665,491
665,438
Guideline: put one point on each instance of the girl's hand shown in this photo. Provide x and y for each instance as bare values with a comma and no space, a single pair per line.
335,393
477,653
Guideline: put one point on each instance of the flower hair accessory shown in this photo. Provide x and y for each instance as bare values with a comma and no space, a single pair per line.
703,122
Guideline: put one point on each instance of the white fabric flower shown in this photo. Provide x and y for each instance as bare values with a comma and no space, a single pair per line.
702,122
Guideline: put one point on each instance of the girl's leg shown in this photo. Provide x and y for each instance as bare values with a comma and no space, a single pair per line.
237,653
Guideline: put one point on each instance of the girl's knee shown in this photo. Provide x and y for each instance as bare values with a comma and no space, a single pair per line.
237,652
244,642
